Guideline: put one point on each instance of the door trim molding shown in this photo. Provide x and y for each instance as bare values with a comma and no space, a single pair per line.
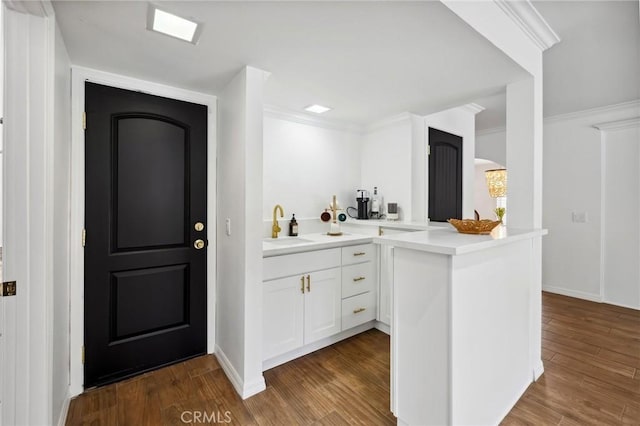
78,77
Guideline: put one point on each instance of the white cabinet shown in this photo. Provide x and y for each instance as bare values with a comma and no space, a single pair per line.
322,305
385,260
302,308
283,313
310,296
358,285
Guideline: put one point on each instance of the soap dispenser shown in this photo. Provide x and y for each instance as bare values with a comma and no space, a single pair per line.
293,227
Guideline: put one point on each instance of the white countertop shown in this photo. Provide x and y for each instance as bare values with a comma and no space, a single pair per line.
451,242
395,224
309,242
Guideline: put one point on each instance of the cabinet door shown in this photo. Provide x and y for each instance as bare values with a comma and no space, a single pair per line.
322,302
386,281
283,316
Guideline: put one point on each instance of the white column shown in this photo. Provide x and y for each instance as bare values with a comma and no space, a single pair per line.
524,187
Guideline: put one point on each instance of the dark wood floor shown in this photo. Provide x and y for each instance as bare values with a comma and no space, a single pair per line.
591,354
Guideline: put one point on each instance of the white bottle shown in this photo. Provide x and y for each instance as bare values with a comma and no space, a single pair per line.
375,204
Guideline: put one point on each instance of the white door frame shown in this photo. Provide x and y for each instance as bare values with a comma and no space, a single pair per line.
78,77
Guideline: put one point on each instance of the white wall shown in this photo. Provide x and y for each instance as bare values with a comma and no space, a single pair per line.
386,162
61,211
621,202
459,121
492,145
574,253
305,165
239,254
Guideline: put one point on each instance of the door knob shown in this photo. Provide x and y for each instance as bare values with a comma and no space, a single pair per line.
199,244
199,226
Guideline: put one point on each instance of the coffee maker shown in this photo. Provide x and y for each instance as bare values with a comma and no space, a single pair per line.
363,203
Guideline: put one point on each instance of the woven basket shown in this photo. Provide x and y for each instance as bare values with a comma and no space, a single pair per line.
470,226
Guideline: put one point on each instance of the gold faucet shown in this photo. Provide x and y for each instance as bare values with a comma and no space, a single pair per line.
276,228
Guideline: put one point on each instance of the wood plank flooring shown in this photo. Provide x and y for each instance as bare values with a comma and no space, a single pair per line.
347,383
591,354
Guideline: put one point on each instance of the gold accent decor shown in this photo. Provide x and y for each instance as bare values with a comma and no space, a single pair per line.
358,279
496,182
308,283
302,284
470,226
360,253
357,311
276,228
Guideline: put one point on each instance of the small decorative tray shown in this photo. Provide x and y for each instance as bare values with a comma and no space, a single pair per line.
470,226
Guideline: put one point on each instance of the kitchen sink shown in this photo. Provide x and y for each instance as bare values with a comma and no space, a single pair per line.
287,241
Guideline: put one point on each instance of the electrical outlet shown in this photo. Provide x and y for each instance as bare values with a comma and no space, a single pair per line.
579,217
227,223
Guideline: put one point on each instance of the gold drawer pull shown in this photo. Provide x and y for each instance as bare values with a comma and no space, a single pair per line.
358,279
357,311
360,253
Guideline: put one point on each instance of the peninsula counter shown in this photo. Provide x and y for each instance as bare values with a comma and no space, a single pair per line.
461,333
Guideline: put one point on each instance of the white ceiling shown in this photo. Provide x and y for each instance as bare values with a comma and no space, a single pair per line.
596,63
367,60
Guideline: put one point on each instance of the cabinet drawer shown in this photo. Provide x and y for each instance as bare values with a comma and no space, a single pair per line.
357,254
358,309
357,279
300,263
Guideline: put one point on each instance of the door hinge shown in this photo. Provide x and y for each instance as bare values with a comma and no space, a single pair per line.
84,237
84,121
83,354
428,149
8,288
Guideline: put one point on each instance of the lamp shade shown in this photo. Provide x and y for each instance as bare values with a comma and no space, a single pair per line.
497,182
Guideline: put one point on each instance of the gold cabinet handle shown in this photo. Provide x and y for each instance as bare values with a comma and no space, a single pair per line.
358,279
360,253
357,311
302,284
308,282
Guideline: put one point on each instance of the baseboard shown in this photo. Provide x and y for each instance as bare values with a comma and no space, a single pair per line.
622,305
572,293
245,390
383,327
312,347
62,419
538,369
514,402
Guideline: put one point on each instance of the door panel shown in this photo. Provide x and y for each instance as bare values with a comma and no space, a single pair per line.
145,282
283,316
322,305
445,176
149,203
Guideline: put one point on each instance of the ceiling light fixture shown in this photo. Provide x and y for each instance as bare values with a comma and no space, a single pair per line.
173,25
318,109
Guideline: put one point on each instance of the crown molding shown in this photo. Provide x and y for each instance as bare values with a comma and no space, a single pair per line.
619,124
631,106
491,131
301,118
473,108
529,20
389,121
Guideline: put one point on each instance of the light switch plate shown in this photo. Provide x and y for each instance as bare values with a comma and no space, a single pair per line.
579,217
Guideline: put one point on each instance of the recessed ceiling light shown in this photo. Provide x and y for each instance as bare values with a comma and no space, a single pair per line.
318,109
173,25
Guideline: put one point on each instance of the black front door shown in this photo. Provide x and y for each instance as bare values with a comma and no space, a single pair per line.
445,176
145,191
